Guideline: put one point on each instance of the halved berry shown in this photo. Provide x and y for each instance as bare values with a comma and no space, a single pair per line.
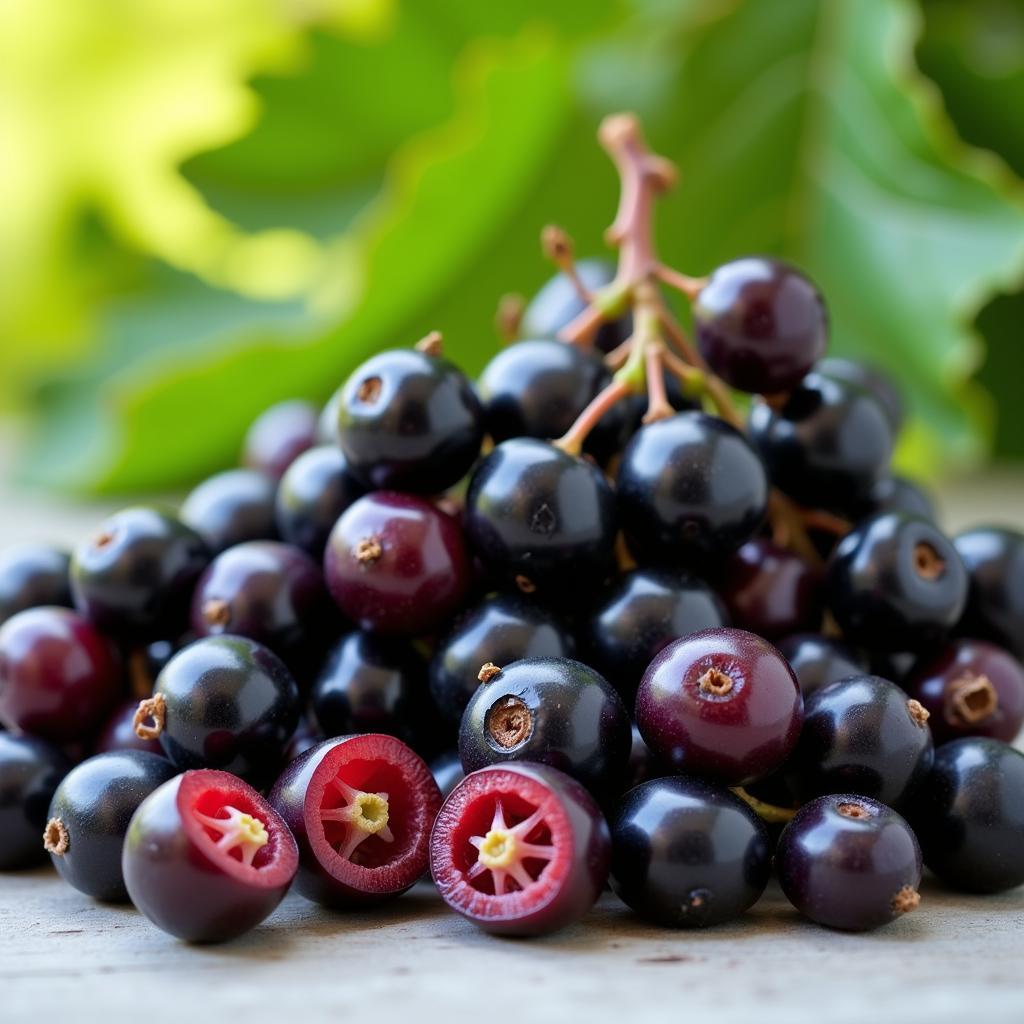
361,808
520,849
206,858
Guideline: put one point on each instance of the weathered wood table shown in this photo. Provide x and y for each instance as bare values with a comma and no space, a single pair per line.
958,958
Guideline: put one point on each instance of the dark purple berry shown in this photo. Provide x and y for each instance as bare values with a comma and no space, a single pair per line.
552,711
31,576
686,854
397,564
279,436
850,863
722,704
232,507
863,735
760,324
690,490
408,421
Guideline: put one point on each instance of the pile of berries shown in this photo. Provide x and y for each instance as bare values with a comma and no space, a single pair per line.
627,608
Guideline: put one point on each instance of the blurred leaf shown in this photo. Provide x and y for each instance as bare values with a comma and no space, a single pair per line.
182,409
801,128
975,54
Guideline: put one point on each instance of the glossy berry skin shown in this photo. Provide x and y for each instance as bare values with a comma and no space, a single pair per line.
185,883
135,576
540,520
316,488
994,559
396,564
232,507
897,494
279,436
828,444
230,704
119,732
647,610
375,684
31,576
722,704
557,304
690,489
895,583
760,324
30,771
818,660
537,388
863,735
520,849
408,421
970,688
500,630
686,854
552,711
348,859
969,815
59,677
771,591
268,591
89,816
849,863
868,378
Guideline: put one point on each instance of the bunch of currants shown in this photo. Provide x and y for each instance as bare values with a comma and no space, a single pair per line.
582,619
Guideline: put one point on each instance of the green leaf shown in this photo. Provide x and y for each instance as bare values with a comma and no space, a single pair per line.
805,129
448,196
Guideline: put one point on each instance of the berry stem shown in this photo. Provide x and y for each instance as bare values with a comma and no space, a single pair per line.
689,286
765,811
558,248
571,442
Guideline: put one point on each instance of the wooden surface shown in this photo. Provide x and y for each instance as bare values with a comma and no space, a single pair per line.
956,959
413,962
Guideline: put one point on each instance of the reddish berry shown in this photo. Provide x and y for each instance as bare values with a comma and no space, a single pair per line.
722,704
361,808
206,858
520,849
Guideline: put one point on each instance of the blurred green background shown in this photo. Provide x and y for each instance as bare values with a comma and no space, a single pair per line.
209,205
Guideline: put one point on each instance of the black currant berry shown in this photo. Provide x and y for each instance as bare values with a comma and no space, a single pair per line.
279,435
371,684
135,576
895,583
500,630
537,389
994,558
540,520
690,489
409,421
224,702
863,735
558,303
30,771
31,576
554,711
646,611
232,507
826,445
89,817
969,815
316,488
818,660
850,863
869,378
687,854
760,324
